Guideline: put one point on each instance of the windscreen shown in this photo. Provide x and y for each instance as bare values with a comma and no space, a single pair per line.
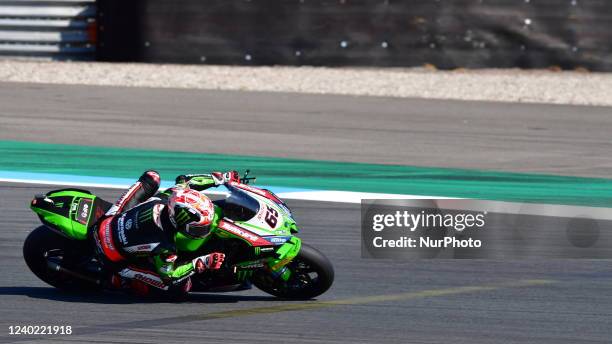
239,206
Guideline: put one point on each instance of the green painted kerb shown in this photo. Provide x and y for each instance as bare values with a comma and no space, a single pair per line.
321,175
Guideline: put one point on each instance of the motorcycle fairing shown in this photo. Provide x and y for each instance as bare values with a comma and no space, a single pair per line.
252,238
268,216
69,211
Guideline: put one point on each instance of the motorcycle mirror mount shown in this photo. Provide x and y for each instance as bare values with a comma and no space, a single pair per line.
245,179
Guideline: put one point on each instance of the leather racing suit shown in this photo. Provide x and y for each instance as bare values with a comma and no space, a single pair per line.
136,238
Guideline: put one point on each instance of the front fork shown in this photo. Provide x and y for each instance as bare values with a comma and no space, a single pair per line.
285,254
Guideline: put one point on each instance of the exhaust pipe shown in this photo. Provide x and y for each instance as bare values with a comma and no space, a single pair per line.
56,267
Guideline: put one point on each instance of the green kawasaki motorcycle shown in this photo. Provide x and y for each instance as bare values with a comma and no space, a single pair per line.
256,233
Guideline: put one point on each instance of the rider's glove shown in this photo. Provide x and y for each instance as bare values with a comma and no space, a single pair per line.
211,261
222,178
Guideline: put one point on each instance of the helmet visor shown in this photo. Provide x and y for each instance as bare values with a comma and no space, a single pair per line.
197,230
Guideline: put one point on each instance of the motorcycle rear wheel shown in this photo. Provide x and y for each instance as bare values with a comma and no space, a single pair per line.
43,244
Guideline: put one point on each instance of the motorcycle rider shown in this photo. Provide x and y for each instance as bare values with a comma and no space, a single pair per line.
136,237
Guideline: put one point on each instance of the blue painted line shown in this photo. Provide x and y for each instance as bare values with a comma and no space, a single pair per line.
117,182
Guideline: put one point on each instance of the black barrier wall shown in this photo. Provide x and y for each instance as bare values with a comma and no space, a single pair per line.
445,33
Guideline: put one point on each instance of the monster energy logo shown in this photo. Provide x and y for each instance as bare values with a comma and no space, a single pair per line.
242,275
182,218
145,215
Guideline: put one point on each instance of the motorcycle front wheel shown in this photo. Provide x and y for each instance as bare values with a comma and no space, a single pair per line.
312,274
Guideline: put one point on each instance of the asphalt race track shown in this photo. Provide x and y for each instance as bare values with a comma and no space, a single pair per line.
372,301
568,140
565,301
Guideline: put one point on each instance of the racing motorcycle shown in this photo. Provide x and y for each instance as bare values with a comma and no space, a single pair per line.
256,233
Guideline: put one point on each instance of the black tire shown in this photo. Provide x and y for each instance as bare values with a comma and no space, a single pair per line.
42,240
301,284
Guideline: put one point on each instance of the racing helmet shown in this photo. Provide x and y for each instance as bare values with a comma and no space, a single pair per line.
191,212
